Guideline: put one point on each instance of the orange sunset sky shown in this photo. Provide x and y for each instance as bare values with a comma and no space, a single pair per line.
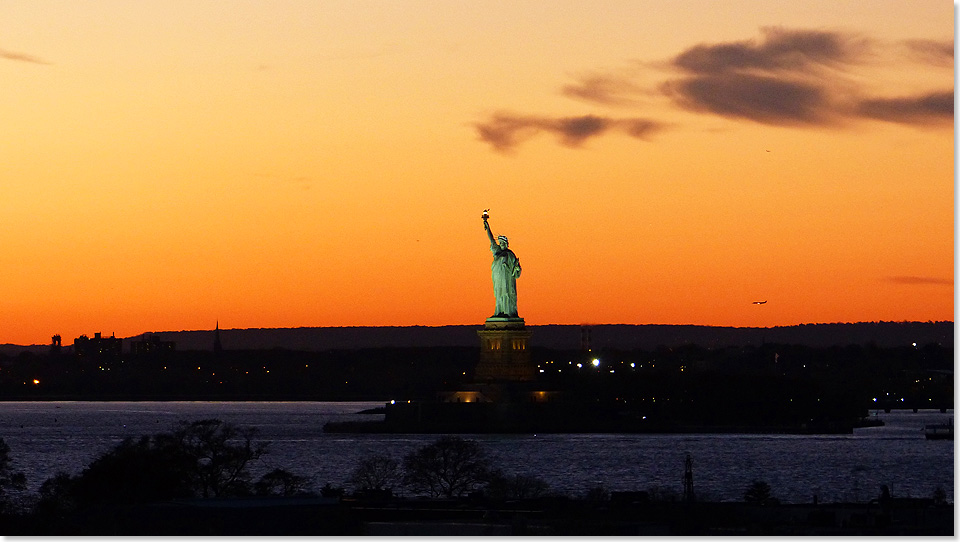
168,164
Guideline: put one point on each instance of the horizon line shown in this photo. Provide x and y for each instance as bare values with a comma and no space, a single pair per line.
537,325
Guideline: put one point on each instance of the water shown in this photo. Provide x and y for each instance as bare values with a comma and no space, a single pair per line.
50,437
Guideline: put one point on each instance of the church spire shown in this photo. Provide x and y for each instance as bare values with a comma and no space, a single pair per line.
217,348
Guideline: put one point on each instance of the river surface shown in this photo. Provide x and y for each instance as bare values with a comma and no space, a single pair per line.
50,437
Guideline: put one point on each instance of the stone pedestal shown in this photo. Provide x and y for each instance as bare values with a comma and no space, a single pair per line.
503,352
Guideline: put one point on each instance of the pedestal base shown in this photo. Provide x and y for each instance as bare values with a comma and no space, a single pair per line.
503,351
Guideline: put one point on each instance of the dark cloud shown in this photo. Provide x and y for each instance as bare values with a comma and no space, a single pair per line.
787,78
779,50
920,280
798,77
933,108
755,97
935,53
505,131
22,57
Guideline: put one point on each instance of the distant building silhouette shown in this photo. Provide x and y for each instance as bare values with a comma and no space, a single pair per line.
150,344
98,346
55,345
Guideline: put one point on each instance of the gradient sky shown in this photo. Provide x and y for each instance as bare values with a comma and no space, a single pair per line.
168,164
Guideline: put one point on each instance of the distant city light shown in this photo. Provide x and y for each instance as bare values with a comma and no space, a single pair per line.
393,402
579,366
596,362
35,381
633,365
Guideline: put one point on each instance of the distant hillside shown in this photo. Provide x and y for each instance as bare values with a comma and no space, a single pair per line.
615,336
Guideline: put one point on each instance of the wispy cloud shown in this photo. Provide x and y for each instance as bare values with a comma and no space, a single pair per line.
504,131
932,52
913,280
604,89
22,57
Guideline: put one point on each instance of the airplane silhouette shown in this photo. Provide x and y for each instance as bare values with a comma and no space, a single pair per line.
759,302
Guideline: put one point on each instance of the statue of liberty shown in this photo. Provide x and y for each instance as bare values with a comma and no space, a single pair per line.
504,270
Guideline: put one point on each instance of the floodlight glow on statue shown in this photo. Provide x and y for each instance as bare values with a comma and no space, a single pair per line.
505,270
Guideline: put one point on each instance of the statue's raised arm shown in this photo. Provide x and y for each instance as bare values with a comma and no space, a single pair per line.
504,271
486,227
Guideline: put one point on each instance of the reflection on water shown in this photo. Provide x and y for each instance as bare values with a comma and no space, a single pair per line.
46,438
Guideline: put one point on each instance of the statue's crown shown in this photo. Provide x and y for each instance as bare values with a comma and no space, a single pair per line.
502,238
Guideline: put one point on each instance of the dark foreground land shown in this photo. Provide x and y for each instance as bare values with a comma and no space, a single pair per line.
623,514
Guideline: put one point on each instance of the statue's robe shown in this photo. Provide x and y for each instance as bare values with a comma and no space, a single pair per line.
505,270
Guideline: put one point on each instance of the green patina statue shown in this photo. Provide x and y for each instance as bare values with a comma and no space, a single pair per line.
505,270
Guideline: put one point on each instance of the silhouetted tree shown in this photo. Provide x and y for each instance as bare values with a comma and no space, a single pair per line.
376,473
203,458
8,479
280,482
759,493
939,495
597,493
144,469
55,499
518,486
450,467
329,490
220,453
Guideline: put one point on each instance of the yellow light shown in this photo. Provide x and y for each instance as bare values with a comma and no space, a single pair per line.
35,381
